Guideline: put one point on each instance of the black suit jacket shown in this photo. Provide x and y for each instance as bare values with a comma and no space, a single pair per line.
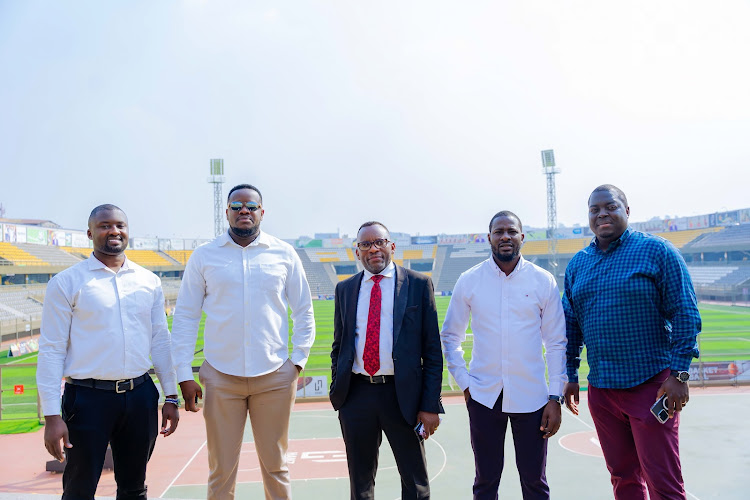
417,355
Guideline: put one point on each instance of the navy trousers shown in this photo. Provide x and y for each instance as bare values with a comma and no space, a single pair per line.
369,411
487,427
127,421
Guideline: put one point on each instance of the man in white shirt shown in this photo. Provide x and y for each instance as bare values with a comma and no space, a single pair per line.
102,319
244,280
515,310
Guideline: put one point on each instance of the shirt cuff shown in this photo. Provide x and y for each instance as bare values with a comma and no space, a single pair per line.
51,406
573,376
168,384
463,380
299,360
681,363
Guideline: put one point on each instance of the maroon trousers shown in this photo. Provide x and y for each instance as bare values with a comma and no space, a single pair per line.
639,451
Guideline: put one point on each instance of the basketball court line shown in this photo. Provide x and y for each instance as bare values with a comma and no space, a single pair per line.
183,469
595,440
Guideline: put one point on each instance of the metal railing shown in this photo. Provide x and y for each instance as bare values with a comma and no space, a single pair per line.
19,396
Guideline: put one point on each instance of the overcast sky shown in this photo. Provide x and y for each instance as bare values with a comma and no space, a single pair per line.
426,115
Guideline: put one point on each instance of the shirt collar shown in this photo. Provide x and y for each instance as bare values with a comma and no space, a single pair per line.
262,239
612,246
520,265
95,263
388,272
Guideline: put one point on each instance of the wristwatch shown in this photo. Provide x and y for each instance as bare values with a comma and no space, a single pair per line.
681,376
557,399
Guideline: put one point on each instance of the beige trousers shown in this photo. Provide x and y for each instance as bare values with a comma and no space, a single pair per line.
268,399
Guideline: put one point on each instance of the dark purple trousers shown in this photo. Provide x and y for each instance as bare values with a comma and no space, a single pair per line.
640,452
487,427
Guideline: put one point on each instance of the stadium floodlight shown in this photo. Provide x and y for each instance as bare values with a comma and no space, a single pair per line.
548,165
217,179
548,158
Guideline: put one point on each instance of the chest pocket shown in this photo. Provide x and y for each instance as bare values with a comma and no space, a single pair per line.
272,277
143,301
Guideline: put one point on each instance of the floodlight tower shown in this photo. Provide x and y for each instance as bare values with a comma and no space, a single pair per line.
217,179
548,166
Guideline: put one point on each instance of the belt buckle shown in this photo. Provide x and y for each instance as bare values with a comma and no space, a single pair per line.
117,386
377,379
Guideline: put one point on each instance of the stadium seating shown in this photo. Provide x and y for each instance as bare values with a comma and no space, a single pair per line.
180,256
147,258
21,301
682,238
320,274
740,276
50,254
726,239
15,255
709,275
80,252
458,258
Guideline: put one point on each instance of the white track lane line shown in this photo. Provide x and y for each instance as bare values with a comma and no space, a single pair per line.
183,469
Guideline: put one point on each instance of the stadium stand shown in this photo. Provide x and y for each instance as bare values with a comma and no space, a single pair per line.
708,275
682,238
21,302
458,259
740,276
50,254
180,256
80,252
148,258
536,247
732,237
328,254
15,255
320,275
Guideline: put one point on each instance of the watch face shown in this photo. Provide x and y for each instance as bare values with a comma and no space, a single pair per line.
682,376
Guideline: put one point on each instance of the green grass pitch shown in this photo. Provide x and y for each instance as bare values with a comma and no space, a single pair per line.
725,337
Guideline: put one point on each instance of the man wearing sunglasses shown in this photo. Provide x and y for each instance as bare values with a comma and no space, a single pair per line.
244,280
387,366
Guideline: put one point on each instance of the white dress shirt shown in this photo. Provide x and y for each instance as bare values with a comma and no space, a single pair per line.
512,317
388,291
244,292
102,324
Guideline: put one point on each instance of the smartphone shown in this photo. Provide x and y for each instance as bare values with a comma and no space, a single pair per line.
659,409
419,429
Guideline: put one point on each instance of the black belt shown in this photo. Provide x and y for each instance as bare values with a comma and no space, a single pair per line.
374,379
119,386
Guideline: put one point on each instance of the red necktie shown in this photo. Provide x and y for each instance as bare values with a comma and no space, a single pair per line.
371,355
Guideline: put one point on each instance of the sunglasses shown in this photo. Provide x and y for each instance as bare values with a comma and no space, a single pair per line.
251,205
366,245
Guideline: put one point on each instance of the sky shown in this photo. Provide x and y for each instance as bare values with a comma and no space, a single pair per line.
428,116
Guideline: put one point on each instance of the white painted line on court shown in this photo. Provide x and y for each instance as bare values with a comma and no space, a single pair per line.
183,469
442,467
582,421
714,339
22,359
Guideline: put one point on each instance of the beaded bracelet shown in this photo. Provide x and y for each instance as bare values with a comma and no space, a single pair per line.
174,401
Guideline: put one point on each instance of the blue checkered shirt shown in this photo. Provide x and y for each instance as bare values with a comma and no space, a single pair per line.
633,307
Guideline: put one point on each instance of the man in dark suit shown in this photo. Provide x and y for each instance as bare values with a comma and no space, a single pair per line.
387,365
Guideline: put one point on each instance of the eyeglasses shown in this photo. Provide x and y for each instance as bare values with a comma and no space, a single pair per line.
251,205
366,245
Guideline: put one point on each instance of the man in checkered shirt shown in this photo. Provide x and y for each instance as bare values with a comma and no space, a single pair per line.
629,299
